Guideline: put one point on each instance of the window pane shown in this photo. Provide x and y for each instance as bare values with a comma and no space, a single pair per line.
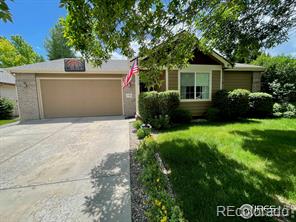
187,85
202,85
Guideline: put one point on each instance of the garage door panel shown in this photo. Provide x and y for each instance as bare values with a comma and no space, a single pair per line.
70,97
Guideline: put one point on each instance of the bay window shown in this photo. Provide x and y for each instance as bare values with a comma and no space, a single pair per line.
195,86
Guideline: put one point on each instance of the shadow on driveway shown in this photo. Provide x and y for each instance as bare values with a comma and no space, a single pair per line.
110,200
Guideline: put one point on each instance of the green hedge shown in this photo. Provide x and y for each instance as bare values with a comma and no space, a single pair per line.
6,108
148,105
156,108
168,102
229,105
238,102
261,104
181,116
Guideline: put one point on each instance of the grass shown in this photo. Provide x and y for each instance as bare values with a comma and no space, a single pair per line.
6,121
231,164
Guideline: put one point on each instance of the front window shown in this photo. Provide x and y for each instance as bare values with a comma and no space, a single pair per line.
195,85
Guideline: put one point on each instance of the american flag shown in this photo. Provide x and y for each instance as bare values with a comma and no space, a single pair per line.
133,71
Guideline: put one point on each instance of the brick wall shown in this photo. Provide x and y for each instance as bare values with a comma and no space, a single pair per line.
27,96
129,99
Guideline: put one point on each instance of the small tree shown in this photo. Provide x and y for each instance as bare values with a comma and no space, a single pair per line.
17,52
56,44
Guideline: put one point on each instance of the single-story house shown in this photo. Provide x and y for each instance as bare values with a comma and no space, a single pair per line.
8,89
56,89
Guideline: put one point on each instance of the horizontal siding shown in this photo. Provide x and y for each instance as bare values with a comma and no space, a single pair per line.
173,79
216,75
196,108
237,80
163,83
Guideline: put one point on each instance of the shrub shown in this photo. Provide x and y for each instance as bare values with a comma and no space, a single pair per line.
157,108
181,116
277,108
220,99
233,104
238,103
287,110
289,107
160,122
137,124
261,104
168,102
143,132
277,114
6,108
289,114
148,105
213,114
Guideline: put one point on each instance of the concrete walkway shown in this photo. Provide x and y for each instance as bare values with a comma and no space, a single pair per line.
68,169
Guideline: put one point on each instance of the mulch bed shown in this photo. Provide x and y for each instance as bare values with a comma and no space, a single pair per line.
138,196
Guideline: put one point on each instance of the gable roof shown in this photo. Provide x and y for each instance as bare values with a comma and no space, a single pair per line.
57,66
6,77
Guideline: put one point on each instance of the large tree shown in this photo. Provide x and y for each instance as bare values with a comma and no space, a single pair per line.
17,52
5,14
56,44
235,27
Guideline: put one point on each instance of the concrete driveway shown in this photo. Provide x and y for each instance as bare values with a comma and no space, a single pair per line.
68,169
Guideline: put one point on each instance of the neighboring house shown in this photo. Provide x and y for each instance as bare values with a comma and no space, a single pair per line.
8,89
46,90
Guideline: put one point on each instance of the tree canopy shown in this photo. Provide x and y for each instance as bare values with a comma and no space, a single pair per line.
56,44
17,52
5,14
279,79
97,28
167,32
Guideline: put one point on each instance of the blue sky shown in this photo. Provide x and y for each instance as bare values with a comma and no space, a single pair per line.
32,19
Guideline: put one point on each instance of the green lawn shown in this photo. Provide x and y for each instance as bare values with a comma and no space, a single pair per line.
231,164
6,121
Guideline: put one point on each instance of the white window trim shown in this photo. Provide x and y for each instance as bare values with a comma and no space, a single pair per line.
199,69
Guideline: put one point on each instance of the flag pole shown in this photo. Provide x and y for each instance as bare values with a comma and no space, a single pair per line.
137,88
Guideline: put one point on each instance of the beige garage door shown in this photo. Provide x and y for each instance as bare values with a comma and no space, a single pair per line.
80,97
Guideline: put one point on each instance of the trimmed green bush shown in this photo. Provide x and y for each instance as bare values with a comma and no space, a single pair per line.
232,104
156,108
137,124
213,114
148,105
261,104
238,103
160,122
181,116
143,132
6,108
168,102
